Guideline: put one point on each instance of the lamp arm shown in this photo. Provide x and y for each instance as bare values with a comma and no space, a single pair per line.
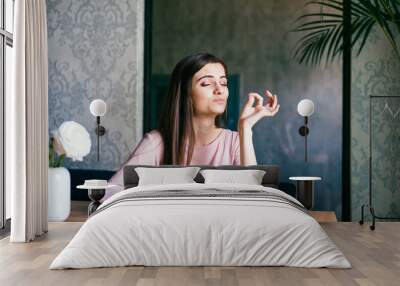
305,152
98,137
306,146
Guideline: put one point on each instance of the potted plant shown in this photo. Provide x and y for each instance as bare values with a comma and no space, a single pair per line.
73,141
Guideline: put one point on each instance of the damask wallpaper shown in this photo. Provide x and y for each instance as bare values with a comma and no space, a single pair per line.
253,38
376,72
96,51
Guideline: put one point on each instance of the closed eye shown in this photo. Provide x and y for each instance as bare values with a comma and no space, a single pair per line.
207,84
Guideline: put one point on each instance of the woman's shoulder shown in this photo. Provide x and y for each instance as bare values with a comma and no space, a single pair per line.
231,133
148,151
154,137
154,134
231,136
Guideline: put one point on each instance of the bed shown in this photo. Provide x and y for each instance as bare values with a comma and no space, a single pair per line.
201,224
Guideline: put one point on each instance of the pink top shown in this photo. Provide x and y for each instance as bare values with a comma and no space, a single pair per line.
223,150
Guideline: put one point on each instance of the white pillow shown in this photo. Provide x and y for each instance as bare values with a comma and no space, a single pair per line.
249,177
163,176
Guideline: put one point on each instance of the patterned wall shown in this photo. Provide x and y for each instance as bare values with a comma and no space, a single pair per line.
96,51
376,72
253,39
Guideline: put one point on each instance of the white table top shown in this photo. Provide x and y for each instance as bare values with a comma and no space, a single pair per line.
88,187
305,178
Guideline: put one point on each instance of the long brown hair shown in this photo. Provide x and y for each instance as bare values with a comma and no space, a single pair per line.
175,124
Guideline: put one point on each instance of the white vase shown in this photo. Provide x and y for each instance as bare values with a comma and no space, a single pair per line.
59,199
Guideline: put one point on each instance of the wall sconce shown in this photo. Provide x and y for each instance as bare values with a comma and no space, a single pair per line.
98,108
305,108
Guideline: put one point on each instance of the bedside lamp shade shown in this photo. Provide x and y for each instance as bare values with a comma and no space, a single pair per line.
305,107
98,107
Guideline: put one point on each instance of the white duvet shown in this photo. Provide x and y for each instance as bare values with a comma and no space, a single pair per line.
200,231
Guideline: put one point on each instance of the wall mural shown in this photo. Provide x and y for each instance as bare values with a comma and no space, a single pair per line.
96,51
257,46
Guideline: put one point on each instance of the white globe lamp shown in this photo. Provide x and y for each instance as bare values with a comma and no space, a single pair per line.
98,108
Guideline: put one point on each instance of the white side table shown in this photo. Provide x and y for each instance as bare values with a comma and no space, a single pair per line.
305,190
95,193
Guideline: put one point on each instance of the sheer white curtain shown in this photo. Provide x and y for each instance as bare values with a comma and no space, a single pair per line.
27,123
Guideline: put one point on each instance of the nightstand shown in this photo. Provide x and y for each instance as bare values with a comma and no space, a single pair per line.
95,193
305,190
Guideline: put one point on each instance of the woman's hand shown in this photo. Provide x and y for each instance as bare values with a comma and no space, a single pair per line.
251,114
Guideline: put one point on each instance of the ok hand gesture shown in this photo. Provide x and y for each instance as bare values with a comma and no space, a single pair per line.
251,114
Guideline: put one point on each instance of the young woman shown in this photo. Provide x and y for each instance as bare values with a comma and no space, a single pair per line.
190,129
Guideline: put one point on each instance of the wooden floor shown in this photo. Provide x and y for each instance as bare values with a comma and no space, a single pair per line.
79,210
374,255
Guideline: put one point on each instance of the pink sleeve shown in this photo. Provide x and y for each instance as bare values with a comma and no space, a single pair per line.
236,149
147,152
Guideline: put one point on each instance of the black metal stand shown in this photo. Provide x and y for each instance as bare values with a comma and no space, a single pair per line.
369,205
305,193
100,131
303,131
95,195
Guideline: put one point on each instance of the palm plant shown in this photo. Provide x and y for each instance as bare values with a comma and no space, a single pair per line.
323,31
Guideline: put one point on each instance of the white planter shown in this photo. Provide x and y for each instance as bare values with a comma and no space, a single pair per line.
59,199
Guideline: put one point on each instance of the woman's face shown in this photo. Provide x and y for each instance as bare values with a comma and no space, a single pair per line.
209,90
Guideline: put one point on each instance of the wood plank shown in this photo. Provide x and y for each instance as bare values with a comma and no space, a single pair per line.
323,216
374,255
79,211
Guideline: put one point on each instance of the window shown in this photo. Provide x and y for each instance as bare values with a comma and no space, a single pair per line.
6,44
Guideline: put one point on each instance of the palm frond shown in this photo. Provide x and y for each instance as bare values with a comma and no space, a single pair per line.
334,43
381,11
323,32
320,29
361,29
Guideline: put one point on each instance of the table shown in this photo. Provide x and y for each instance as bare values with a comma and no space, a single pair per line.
95,195
305,190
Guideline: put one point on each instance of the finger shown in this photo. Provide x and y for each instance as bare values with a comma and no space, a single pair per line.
275,102
276,110
259,99
269,94
271,112
271,108
250,101
270,101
